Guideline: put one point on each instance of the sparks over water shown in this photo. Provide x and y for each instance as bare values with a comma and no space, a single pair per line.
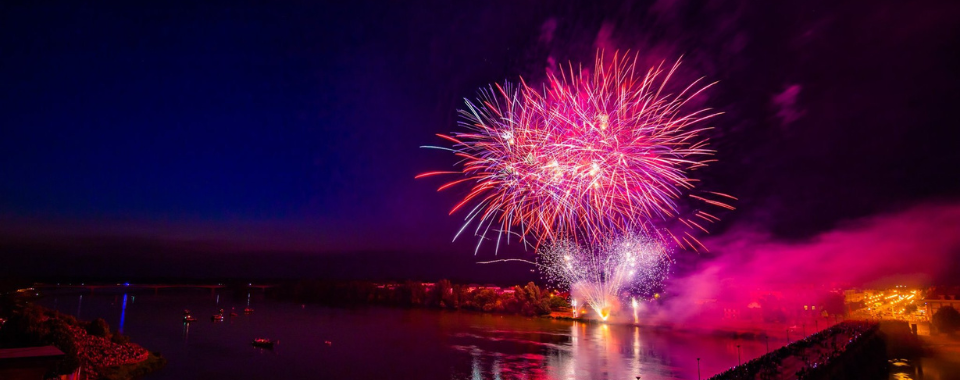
592,152
603,276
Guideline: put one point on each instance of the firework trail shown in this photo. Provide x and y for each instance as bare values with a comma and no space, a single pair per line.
592,152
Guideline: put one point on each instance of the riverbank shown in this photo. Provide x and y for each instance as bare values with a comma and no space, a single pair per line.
153,362
415,343
736,329
528,300
849,350
91,350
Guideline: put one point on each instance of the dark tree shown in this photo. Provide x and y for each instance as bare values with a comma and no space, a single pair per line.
443,295
558,303
488,301
61,337
120,338
99,327
947,319
25,328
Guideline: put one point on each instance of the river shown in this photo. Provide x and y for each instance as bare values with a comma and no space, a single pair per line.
317,342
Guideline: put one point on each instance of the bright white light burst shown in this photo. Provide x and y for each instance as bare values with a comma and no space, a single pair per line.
617,269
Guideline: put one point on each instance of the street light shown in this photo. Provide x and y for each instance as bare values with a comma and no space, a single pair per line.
788,335
738,355
698,368
767,337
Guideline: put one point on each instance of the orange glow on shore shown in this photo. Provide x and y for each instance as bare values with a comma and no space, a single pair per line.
604,313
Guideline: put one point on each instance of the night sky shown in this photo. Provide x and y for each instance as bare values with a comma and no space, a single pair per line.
281,139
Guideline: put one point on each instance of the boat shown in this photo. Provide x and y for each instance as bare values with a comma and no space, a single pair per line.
263,343
189,318
217,318
233,314
248,310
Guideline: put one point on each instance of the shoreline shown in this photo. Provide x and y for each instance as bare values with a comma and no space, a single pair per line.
91,350
750,331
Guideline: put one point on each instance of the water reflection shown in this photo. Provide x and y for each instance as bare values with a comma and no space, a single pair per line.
404,343
587,350
123,312
477,373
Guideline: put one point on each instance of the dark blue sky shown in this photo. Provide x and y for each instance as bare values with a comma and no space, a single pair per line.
185,130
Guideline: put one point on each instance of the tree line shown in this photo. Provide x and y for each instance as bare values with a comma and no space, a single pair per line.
528,300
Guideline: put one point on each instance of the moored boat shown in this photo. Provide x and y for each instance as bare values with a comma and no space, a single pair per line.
263,343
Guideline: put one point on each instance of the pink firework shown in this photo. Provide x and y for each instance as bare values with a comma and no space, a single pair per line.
591,153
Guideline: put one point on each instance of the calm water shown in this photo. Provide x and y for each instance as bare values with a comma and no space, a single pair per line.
386,343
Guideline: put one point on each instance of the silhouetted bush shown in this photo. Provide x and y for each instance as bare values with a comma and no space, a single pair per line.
99,327
119,338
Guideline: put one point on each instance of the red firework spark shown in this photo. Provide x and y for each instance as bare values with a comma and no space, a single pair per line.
589,154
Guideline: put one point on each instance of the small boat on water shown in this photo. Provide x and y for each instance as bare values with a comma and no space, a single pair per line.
263,343
217,318
189,318
233,314
248,310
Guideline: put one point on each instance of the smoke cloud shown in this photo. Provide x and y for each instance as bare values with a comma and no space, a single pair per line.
916,247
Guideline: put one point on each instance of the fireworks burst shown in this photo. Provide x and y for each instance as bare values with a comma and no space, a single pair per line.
593,152
605,275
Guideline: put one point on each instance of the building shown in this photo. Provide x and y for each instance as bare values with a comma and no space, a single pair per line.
854,296
28,362
941,296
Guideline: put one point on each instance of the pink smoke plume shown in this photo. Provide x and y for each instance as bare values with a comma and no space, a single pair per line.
918,246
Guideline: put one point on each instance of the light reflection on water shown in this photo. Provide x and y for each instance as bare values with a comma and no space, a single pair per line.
375,342
574,350
123,312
